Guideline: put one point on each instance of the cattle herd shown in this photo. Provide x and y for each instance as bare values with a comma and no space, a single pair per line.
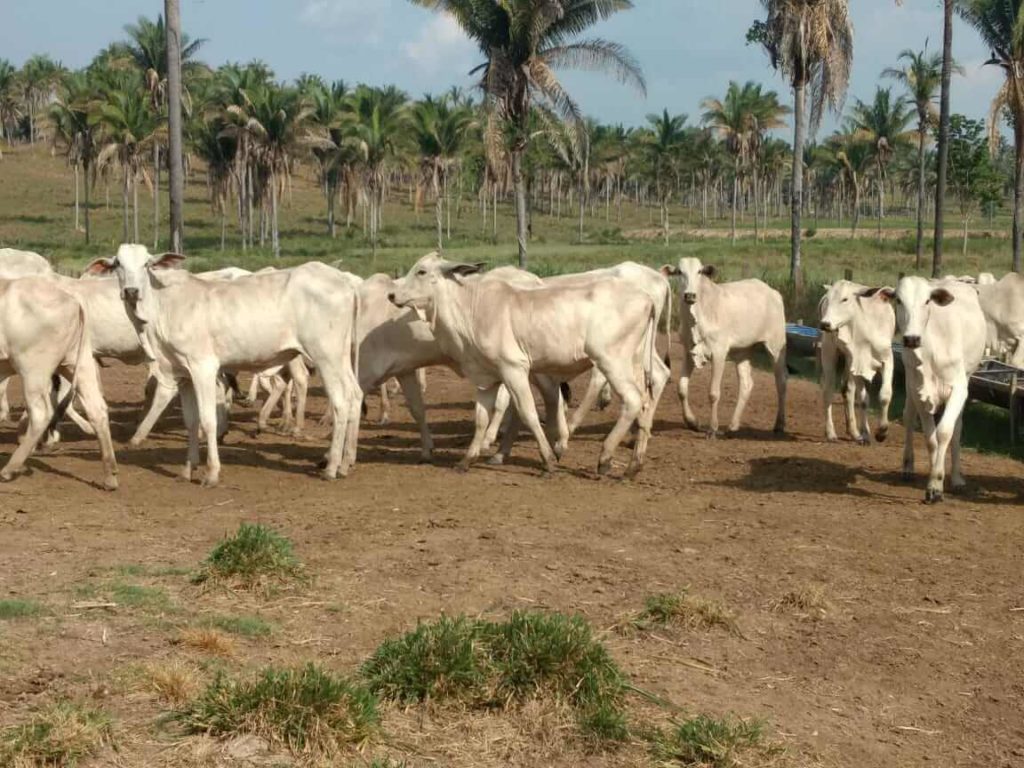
507,331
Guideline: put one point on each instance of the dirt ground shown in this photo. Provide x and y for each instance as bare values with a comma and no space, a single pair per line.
916,657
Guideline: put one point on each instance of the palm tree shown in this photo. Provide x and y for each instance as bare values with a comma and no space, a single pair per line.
10,109
39,77
440,129
524,42
922,77
328,105
811,43
883,125
69,115
376,120
661,146
128,129
850,156
147,49
943,138
999,24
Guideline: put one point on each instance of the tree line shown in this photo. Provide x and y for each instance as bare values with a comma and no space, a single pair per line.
521,137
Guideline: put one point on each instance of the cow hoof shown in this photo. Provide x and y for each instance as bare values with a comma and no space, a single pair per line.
831,439
863,440
135,442
881,434
8,476
210,482
111,483
604,467
932,496
496,460
907,475
692,424
462,467
633,470
384,421
328,476
958,490
779,430
712,434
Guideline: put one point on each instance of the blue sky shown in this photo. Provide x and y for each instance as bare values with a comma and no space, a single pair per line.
687,52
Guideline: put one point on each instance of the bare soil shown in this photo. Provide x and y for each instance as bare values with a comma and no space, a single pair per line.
915,657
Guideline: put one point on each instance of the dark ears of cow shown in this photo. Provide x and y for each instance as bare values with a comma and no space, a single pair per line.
942,297
99,267
709,271
885,294
166,261
461,270
670,271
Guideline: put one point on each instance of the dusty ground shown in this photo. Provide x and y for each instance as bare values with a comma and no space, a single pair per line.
916,659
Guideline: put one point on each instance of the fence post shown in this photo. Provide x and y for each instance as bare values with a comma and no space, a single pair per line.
848,274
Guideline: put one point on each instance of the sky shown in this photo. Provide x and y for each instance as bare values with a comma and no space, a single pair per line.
687,51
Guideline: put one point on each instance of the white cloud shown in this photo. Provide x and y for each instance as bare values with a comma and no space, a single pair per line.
363,20
440,46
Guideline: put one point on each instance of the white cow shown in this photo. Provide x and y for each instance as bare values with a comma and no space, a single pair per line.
195,328
15,264
943,331
499,333
858,324
43,332
727,322
1003,305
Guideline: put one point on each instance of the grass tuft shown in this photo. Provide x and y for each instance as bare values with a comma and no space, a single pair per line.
252,556
308,709
707,742
685,610
246,626
209,641
136,596
59,735
173,680
499,664
808,601
19,609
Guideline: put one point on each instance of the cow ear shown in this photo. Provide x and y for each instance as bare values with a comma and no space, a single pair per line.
461,270
942,297
99,267
670,271
166,261
885,294
709,271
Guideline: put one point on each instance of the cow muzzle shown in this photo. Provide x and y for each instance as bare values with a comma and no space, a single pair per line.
690,298
826,326
130,296
912,342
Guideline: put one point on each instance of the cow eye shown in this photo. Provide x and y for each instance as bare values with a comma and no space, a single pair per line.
421,273
846,300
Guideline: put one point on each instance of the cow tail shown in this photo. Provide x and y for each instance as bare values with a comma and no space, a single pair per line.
652,350
670,297
83,350
355,335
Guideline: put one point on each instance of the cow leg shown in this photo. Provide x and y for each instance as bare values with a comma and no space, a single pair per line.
624,385
660,375
590,397
385,406
939,439
511,425
254,390
277,390
828,384
518,383
163,394
204,381
781,382
1017,358
863,427
850,405
339,394
73,414
956,479
555,427
485,415
410,383
684,393
499,409
909,417
300,381
95,407
190,415
715,391
37,408
884,399
5,404
745,381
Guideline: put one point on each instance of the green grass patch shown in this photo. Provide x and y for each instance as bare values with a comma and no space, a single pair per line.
19,609
130,570
152,599
246,626
499,664
707,742
58,735
308,709
253,556
684,610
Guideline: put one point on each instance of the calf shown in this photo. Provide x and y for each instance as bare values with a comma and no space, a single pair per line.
858,324
499,333
727,322
195,328
43,332
943,331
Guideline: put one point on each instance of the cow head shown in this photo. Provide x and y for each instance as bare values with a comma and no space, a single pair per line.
690,271
420,287
842,300
916,299
134,266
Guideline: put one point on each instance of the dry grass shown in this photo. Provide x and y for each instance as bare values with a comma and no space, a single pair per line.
60,734
174,681
686,611
809,601
211,641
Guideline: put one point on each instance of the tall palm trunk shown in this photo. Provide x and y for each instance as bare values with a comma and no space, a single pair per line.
175,153
124,199
135,208
1018,190
881,199
735,200
156,196
797,193
920,194
275,239
86,191
438,204
76,198
519,186
757,232
943,148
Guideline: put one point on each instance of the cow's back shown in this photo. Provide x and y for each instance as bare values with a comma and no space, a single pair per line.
745,312
15,264
34,311
956,333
